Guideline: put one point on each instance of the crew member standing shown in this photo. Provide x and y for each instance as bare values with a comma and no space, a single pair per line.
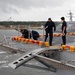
64,27
49,30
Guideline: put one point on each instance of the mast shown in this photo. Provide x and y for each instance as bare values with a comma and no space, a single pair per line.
9,19
70,16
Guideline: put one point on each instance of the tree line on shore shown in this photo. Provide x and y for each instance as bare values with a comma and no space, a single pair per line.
33,23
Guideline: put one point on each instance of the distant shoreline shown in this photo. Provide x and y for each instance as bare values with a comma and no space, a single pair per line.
5,28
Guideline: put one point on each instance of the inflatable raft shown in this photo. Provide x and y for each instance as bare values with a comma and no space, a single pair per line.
40,43
59,34
31,41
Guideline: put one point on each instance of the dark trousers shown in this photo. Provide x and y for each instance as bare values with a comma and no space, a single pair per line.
35,38
50,37
64,39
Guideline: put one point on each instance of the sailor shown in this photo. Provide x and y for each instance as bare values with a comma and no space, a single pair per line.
35,35
25,33
64,27
49,30
28,34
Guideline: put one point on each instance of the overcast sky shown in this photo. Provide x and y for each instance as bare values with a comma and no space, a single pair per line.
35,10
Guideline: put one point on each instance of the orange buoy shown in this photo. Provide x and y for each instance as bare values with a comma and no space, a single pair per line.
72,48
30,40
26,40
40,43
13,38
68,47
64,47
22,39
33,41
46,44
71,33
19,39
74,33
37,42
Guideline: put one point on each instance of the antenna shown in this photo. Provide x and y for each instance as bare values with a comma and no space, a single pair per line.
9,19
70,16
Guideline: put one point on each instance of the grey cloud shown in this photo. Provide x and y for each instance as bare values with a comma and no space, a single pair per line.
14,5
7,7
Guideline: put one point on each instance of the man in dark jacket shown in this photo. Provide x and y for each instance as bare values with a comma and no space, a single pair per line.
49,30
64,31
25,33
35,35
28,34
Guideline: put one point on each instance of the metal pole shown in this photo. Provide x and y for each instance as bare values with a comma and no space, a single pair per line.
43,34
18,30
29,31
43,38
